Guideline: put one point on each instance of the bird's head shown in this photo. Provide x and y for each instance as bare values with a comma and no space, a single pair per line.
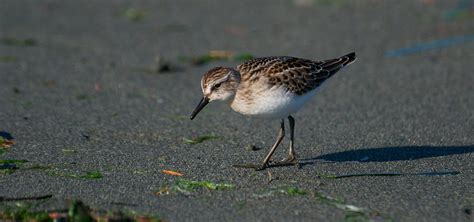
219,83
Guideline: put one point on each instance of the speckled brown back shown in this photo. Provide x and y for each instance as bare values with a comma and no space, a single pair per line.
297,75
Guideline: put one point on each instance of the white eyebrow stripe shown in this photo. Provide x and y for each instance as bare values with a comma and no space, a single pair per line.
202,83
223,79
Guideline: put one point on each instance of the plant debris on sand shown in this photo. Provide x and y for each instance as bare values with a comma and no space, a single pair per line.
200,139
186,187
87,175
218,55
5,143
76,211
288,190
19,42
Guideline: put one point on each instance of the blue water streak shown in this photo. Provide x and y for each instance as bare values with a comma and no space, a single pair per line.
442,43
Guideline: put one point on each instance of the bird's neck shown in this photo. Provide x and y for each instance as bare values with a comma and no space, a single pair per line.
235,79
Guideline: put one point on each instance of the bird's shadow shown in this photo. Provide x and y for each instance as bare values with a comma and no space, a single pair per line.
386,154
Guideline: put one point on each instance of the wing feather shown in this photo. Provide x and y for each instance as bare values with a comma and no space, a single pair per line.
295,74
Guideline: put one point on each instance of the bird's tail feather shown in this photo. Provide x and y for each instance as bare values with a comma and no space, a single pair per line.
351,57
334,65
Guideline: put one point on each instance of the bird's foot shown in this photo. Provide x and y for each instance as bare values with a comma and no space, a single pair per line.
256,167
290,160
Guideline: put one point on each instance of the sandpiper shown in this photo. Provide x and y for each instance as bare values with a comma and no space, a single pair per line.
270,87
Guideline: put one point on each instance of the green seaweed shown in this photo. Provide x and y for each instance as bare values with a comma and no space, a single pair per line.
200,139
191,185
68,151
76,212
293,191
330,2
8,59
87,175
185,186
10,166
204,59
19,42
79,212
356,217
337,202
326,176
84,97
13,161
353,213
243,57
22,212
144,217
7,171
216,56
288,190
134,15
91,175
135,216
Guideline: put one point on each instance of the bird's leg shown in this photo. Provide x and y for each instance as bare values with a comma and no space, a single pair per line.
291,159
281,134
280,137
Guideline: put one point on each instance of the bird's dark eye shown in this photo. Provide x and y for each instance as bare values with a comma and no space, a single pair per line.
217,86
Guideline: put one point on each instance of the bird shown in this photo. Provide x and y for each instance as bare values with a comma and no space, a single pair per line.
270,87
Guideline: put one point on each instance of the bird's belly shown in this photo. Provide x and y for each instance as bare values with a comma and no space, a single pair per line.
271,103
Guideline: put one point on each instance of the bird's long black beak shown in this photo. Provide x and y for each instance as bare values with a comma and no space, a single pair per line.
202,104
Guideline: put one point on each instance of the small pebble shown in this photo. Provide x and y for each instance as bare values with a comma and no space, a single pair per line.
252,148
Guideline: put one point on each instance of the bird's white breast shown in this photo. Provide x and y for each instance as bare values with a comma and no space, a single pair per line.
274,102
